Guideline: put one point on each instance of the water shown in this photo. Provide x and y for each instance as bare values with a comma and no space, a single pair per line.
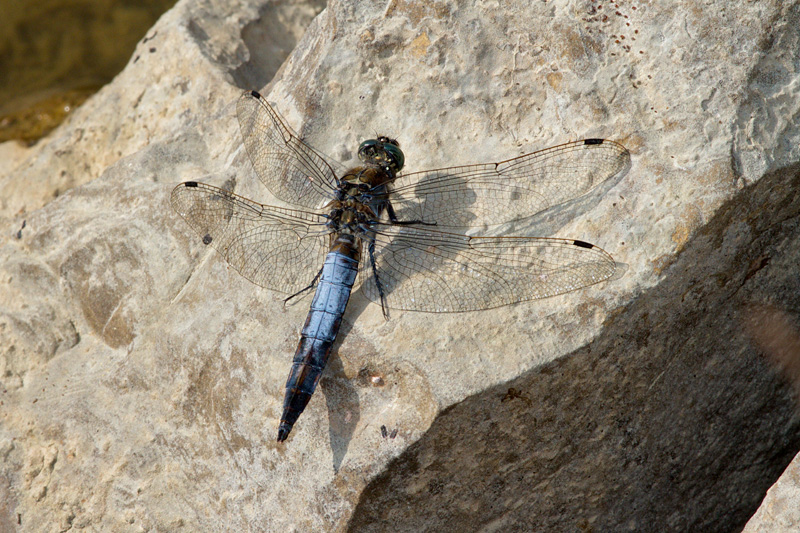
55,53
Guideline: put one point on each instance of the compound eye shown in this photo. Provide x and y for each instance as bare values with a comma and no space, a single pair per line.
396,154
367,149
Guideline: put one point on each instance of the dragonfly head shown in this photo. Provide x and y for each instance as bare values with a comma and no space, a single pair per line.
384,152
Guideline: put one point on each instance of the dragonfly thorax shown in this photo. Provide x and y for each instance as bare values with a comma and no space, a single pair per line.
360,180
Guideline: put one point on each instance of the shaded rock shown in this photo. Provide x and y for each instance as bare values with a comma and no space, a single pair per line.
145,382
670,419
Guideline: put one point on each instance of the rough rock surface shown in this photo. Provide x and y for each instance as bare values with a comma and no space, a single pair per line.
669,419
780,510
142,378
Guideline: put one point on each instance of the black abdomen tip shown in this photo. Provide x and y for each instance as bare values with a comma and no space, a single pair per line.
283,431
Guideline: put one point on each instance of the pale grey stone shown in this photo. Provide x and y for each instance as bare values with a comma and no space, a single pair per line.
142,379
780,510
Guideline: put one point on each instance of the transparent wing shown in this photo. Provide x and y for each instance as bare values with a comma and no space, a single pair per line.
292,170
280,249
426,270
497,193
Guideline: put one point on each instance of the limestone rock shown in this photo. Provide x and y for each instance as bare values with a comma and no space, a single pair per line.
142,379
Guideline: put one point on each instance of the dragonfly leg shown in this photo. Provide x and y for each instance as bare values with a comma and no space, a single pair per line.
378,283
394,220
301,291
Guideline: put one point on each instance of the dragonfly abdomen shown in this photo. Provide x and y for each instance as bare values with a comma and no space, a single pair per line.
319,333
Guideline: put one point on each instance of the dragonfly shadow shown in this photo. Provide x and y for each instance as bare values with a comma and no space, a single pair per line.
341,394
341,400
444,268
431,206
549,187
356,306
547,223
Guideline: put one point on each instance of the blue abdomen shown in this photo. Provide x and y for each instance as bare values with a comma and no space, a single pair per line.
319,332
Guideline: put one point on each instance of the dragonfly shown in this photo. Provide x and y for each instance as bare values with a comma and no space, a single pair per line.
404,239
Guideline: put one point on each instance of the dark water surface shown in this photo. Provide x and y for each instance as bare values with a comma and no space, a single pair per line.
55,53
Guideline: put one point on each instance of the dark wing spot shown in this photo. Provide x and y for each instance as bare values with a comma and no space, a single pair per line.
255,94
384,433
593,141
207,239
190,184
582,244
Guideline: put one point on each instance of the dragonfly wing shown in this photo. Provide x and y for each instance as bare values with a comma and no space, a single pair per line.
426,270
292,170
280,249
497,193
